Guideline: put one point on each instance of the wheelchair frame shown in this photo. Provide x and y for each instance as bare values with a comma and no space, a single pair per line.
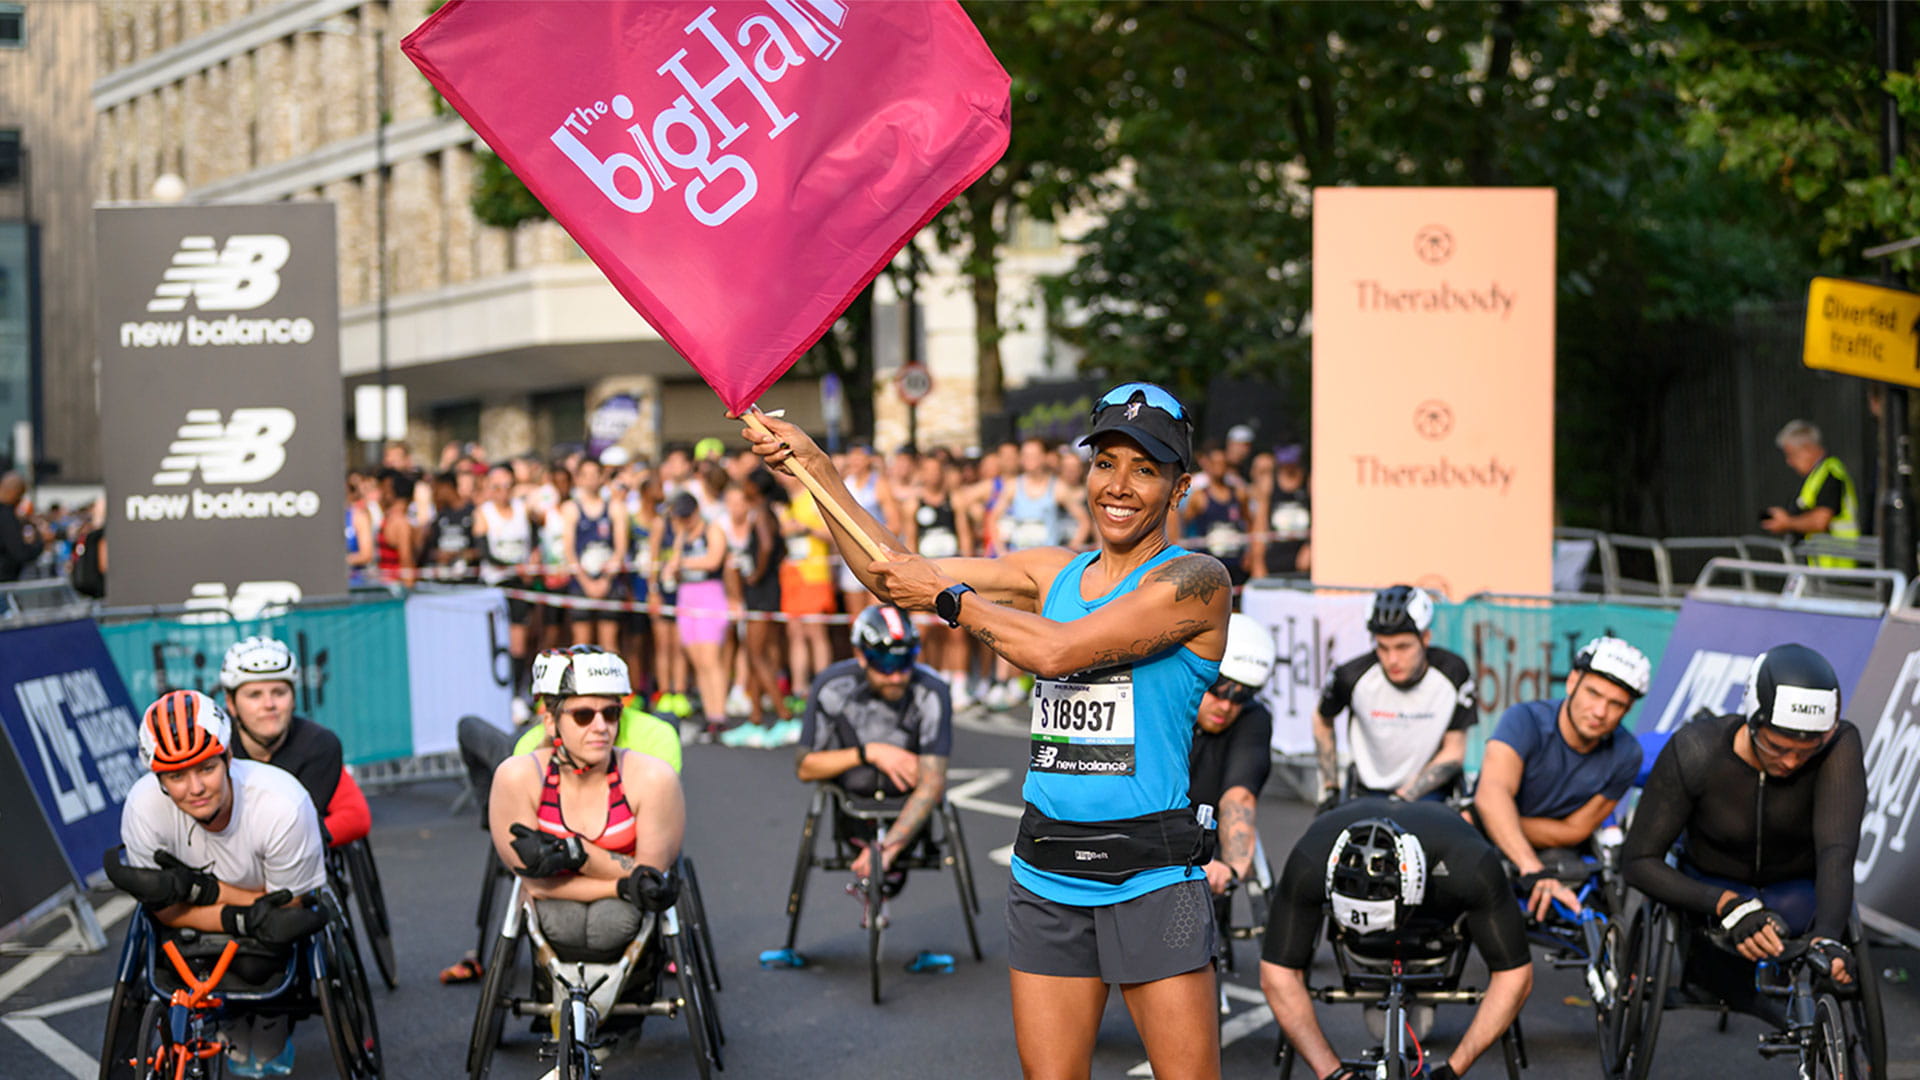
1396,984
1657,936
589,992
930,851
355,877
1257,887
323,975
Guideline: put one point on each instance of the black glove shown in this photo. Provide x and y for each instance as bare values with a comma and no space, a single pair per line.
1827,950
271,920
1528,881
1440,1070
649,889
1344,1072
542,855
1747,918
173,883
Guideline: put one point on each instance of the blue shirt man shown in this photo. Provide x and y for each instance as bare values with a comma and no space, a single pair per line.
1554,770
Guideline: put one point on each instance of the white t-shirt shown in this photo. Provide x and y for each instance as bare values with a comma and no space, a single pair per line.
272,841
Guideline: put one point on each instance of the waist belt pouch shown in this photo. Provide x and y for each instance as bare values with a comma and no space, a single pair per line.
1112,850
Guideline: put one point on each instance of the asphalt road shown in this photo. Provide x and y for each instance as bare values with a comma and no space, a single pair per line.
745,810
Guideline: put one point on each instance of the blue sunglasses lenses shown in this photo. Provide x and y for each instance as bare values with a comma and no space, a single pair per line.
1154,396
887,663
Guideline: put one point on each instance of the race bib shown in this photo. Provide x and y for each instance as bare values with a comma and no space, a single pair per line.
1223,538
1363,916
743,564
1291,521
1029,534
939,544
454,538
594,559
507,549
799,548
1083,724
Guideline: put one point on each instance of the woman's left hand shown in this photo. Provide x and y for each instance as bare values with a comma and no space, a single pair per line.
910,581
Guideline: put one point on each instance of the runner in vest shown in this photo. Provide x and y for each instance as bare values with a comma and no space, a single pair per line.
1826,502
1125,639
597,529
1281,510
874,495
1214,516
1034,511
359,530
806,587
937,530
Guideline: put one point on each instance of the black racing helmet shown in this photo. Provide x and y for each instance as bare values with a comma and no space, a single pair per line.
1794,690
1400,609
886,636
1376,873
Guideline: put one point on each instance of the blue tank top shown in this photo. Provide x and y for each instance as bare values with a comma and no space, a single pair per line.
1165,696
593,539
1035,520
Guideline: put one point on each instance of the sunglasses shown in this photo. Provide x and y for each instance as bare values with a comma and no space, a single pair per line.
1155,396
584,717
1233,693
890,663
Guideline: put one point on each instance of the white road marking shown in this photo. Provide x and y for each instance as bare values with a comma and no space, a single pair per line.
55,1008
1002,855
1237,1027
22,975
966,794
41,1036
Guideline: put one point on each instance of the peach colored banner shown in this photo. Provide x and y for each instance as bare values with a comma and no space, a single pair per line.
1433,388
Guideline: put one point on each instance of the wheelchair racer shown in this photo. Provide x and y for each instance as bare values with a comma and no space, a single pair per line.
1411,705
591,827
1554,770
215,845
1379,863
260,676
880,725
1770,804
1230,759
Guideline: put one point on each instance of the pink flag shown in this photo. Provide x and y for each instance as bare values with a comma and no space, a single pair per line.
740,170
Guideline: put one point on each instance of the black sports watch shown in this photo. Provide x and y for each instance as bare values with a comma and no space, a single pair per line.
947,604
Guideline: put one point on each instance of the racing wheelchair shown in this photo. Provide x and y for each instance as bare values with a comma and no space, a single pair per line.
941,843
1836,1033
576,989
175,989
1256,887
1399,976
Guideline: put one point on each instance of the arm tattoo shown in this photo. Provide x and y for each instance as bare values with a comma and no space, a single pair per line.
1237,836
986,636
625,862
1152,644
919,804
1193,575
1433,778
1329,754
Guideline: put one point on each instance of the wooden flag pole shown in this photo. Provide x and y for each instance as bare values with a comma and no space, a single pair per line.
827,504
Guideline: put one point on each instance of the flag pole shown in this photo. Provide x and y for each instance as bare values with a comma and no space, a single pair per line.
812,483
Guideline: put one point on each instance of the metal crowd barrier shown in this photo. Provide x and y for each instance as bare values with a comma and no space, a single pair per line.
40,600
1855,591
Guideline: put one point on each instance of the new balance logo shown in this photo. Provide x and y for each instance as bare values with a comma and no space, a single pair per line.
1044,757
248,448
249,600
239,277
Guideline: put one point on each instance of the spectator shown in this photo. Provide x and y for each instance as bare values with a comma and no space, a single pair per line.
20,541
1240,449
89,571
1826,502
1282,517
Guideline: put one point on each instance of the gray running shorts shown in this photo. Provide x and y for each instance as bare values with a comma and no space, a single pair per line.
1164,933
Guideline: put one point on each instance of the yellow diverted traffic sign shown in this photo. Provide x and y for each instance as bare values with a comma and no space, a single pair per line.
1866,330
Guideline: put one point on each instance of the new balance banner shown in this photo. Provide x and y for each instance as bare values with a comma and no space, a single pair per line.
740,170
220,404
1886,707
353,667
458,663
75,729
1704,669
1433,313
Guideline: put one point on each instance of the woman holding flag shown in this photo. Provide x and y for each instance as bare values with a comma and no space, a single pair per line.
1123,641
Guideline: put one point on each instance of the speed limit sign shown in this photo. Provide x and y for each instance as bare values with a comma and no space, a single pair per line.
914,383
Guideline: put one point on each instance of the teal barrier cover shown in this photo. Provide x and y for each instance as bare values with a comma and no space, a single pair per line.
353,667
1521,651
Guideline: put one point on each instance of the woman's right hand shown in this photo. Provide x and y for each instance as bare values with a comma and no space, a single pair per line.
786,443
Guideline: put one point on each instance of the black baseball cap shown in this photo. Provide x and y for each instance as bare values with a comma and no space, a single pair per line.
1148,415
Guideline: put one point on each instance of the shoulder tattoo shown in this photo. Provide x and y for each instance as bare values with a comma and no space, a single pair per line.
1193,575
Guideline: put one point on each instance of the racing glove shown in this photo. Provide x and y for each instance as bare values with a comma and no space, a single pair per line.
1827,950
1344,1072
271,920
1440,1070
542,855
1747,918
173,883
649,889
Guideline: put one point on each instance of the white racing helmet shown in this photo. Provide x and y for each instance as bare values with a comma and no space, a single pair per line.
1618,662
258,659
1250,652
582,669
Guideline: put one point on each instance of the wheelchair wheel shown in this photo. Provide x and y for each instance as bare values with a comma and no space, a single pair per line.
375,927
346,1006
694,914
874,925
962,877
803,863
1609,1021
1645,998
490,1015
695,1005
1872,1022
121,1044
1839,1049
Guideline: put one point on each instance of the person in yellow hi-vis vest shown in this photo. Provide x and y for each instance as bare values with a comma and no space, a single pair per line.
1827,502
